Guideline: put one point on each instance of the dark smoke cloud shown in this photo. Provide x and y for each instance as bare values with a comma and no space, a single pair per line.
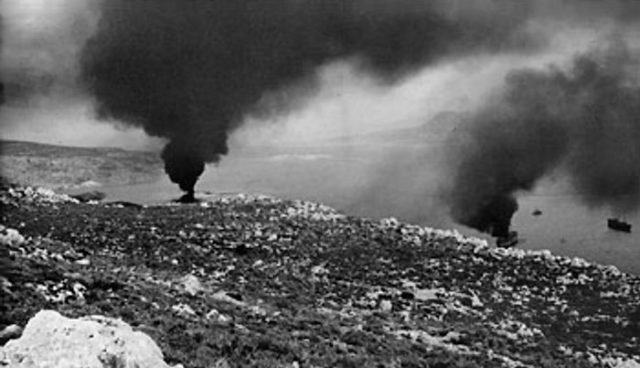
2,30
39,47
583,121
189,71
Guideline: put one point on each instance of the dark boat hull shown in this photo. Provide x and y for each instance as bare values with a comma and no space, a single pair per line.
615,224
509,241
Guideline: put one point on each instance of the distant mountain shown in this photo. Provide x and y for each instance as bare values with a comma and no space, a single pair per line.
435,130
56,166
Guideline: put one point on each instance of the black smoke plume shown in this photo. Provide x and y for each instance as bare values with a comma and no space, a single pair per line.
583,121
2,93
189,71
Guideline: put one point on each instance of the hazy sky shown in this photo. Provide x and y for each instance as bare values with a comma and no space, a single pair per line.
540,86
42,40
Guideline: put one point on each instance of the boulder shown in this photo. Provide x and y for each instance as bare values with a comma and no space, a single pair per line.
191,285
52,340
10,332
10,237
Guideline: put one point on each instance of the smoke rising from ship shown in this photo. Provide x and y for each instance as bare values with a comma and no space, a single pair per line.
582,121
190,72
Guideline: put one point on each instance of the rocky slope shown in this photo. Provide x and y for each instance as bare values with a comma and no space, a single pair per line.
257,281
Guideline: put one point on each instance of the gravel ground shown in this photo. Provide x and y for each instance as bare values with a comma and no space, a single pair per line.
256,281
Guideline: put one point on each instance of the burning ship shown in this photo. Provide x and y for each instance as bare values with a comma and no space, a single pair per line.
507,241
618,225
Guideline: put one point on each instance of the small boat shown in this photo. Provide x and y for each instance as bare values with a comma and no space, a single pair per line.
508,241
618,225
536,212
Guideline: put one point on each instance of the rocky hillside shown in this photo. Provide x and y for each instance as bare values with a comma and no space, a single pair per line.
254,281
63,167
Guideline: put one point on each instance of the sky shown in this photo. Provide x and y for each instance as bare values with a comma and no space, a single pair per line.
42,41
200,81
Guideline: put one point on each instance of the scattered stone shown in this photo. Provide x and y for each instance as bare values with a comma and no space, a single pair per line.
5,284
257,263
83,262
71,254
191,284
428,294
628,364
52,340
319,270
10,237
79,290
214,315
221,363
475,301
10,332
183,310
258,310
385,305
29,194
224,297
420,285
124,204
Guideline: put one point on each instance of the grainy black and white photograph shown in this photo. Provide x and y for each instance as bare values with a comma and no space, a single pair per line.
319,183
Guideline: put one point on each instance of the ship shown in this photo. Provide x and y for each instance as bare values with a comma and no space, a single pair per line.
618,225
508,241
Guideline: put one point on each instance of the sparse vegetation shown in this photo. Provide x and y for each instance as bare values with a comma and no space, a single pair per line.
259,282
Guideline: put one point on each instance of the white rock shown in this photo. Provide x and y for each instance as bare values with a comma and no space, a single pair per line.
258,263
51,340
385,305
212,314
629,363
221,363
319,270
183,310
10,237
428,294
83,262
475,301
191,284
10,332
258,310
223,297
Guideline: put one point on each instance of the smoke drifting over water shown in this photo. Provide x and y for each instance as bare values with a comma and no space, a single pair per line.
190,71
582,121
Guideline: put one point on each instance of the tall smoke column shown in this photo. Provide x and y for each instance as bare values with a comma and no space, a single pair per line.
189,71
2,98
583,121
